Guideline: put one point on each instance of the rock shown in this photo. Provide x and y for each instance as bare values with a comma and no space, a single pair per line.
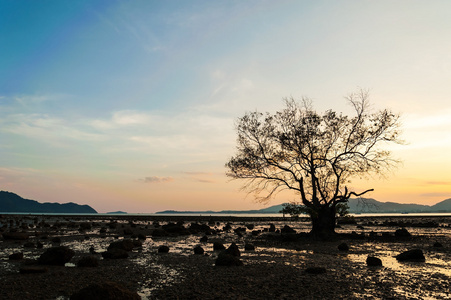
158,232
256,232
272,228
372,261
29,245
15,235
225,259
163,249
56,256
199,250
218,246
196,228
249,247
32,269
175,229
128,231
402,232
85,226
56,239
233,250
411,255
16,256
105,291
88,261
227,227
287,229
137,243
437,245
343,247
126,245
115,253
315,270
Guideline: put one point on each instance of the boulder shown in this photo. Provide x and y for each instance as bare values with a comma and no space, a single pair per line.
437,245
227,227
233,250
218,246
225,259
315,270
16,256
196,228
56,239
32,269
199,250
115,253
175,229
343,247
249,247
105,291
411,255
88,261
402,232
56,256
126,245
158,232
287,229
15,235
128,231
29,245
163,249
272,228
372,261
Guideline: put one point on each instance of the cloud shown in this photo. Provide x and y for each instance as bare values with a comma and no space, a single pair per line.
435,194
204,180
44,127
196,173
156,179
194,176
438,182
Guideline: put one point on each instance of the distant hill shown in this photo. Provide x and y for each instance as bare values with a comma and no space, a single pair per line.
356,205
368,205
10,202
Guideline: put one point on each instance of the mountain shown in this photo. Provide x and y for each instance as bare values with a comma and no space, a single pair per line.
445,205
356,205
10,202
368,205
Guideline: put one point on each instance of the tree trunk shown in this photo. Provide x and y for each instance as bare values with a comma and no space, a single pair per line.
323,221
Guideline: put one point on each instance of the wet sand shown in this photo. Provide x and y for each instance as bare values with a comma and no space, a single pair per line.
276,269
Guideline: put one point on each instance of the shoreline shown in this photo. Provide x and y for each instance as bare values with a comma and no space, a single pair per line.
277,265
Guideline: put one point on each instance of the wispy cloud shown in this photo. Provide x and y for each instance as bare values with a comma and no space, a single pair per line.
438,194
45,127
439,182
200,177
156,179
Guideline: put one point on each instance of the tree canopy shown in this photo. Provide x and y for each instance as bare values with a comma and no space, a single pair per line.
315,155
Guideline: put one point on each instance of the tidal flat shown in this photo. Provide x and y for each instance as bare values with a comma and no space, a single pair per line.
274,258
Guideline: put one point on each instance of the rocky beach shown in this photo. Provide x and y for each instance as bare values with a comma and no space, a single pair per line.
212,257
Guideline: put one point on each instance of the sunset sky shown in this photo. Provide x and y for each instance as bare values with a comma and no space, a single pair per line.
130,105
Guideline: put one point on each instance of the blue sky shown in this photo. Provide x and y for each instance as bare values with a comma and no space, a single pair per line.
131,105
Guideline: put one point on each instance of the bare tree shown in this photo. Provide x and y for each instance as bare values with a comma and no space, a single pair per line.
313,155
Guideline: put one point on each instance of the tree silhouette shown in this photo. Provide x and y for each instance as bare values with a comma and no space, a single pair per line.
315,155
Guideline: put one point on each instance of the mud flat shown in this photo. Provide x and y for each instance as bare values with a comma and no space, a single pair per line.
279,260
